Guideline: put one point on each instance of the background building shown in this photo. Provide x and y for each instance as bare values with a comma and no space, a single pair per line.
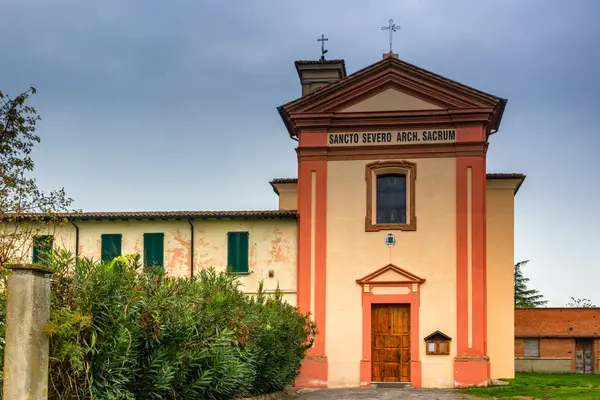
557,340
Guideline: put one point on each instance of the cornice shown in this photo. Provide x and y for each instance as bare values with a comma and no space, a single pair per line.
357,121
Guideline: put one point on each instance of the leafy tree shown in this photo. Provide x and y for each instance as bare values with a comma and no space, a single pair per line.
524,297
580,303
25,211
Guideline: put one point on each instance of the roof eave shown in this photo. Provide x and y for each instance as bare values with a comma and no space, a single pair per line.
286,120
499,114
274,188
520,184
287,214
519,177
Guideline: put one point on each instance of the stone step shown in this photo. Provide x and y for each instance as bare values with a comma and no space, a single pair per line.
398,385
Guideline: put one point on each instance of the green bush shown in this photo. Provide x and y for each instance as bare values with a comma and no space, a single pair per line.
119,331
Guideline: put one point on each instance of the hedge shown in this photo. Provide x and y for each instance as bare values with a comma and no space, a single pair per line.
121,331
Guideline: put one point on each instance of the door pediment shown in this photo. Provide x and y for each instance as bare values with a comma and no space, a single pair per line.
390,274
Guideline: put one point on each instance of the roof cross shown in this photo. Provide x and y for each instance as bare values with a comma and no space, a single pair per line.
323,51
392,28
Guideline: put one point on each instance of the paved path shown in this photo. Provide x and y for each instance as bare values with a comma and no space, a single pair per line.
382,394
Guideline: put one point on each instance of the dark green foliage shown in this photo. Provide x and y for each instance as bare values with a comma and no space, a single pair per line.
122,331
524,297
3,276
20,195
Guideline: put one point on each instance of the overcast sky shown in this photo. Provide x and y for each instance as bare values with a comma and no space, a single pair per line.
142,100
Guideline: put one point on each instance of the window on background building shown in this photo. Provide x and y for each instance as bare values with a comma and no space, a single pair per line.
237,251
532,348
42,246
391,199
154,249
111,246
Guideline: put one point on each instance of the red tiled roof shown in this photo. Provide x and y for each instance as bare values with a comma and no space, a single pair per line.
284,180
178,215
309,62
505,176
489,176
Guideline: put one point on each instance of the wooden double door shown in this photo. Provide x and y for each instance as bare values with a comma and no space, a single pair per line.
390,342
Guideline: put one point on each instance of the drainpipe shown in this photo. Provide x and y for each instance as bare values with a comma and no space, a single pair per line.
192,248
76,241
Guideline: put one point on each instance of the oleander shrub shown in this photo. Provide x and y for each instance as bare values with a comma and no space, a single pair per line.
121,331
3,276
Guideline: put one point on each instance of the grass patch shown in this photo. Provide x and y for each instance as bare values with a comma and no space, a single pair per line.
543,387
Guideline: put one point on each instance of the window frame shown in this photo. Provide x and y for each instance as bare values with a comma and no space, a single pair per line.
106,235
38,249
235,269
147,240
441,347
375,169
537,342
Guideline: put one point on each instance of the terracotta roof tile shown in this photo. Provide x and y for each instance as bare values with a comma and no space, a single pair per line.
509,175
309,62
139,215
489,176
284,180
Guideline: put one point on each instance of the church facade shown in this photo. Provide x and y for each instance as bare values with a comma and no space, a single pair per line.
394,235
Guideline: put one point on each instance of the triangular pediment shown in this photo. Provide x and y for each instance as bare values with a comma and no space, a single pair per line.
392,85
437,335
390,274
391,99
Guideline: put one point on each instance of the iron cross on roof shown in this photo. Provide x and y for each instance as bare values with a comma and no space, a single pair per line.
323,51
392,28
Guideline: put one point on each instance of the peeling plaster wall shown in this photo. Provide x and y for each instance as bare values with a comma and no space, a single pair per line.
272,246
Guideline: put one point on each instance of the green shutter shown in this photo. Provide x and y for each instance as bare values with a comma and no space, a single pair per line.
42,246
237,251
111,247
154,249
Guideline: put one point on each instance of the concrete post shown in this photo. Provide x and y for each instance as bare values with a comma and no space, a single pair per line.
27,345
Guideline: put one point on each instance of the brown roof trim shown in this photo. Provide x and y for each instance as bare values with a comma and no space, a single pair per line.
176,215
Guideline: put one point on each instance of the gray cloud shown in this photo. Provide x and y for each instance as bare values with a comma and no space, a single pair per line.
141,99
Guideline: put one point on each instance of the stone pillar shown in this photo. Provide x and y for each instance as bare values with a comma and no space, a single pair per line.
27,345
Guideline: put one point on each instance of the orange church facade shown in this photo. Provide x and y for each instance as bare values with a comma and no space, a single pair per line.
401,229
